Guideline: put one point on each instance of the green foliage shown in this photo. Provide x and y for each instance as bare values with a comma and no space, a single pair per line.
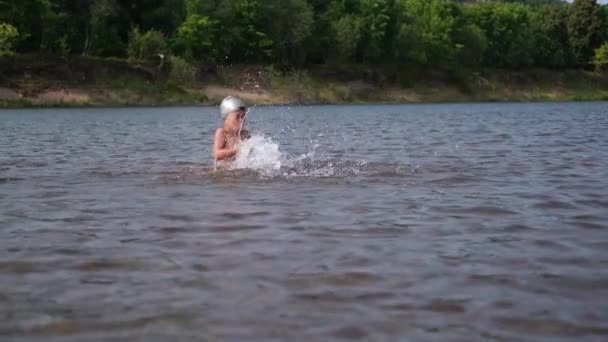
508,30
375,21
449,34
245,32
552,42
25,17
196,39
289,29
295,86
471,44
161,15
200,7
55,33
102,36
424,31
600,59
8,35
181,71
62,46
585,29
146,45
347,33
604,14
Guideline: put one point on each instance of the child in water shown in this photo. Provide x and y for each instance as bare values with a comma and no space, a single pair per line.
227,138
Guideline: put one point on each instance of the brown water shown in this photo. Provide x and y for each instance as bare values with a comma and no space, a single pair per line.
413,223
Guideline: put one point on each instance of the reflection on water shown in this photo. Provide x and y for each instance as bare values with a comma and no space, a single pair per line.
422,223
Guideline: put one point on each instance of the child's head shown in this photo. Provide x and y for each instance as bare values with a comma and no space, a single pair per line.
233,111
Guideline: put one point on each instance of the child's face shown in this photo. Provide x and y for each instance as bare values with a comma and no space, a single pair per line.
235,120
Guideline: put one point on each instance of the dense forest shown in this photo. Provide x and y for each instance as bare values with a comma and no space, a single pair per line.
447,34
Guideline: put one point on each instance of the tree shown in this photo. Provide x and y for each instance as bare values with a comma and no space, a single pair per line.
471,44
70,26
54,34
200,7
102,36
600,59
604,31
291,26
8,35
146,45
28,17
584,28
375,21
424,31
508,31
245,32
196,39
161,15
552,42
347,33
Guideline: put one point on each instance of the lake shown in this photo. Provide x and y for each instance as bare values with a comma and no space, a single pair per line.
452,222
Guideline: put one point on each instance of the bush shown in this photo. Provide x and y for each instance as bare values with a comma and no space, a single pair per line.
146,45
297,85
600,60
8,35
181,70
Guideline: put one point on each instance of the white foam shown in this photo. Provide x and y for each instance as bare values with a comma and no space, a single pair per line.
258,153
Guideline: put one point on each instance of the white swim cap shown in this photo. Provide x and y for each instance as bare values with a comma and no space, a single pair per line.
231,104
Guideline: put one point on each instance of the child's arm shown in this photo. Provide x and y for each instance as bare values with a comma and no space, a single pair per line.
219,152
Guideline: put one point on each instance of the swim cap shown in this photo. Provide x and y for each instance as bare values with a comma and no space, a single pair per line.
230,104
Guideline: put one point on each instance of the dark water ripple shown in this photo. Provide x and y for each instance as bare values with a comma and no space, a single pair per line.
411,223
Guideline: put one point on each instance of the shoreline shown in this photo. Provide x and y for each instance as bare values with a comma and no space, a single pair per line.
31,81
125,100
8,105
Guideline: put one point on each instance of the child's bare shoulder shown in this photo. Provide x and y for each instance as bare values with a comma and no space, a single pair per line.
220,137
220,132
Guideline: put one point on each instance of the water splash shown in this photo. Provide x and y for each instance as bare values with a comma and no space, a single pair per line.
259,153
263,155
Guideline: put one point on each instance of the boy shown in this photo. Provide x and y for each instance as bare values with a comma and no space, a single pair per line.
227,138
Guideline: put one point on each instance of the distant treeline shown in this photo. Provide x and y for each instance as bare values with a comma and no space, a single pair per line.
427,33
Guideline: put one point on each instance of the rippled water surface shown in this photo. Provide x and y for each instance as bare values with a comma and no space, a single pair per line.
415,223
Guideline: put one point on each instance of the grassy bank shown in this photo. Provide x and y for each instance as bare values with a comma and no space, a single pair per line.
29,80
